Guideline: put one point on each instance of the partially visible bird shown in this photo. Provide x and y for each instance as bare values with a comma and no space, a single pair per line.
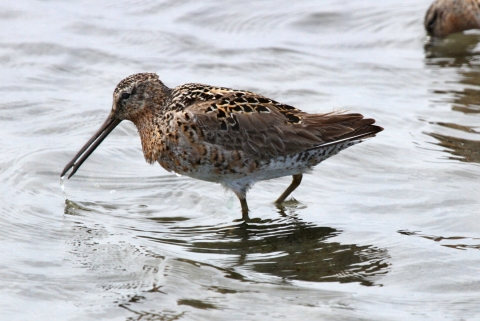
449,16
226,136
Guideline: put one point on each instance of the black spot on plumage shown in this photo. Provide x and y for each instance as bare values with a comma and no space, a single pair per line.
218,96
252,100
187,101
239,94
230,121
187,116
264,100
237,108
221,114
247,109
262,109
287,107
292,118
236,126
240,100
223,125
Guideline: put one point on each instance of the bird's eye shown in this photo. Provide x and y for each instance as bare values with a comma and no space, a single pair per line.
126,95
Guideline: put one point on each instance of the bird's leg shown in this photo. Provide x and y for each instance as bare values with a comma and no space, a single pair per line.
297,179
242,196
243,202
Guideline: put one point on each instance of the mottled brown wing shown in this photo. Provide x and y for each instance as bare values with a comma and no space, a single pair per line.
265,128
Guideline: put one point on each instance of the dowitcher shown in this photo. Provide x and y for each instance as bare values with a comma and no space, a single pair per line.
226,136
449,16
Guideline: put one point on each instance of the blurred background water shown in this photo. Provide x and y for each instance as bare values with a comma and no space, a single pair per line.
386,230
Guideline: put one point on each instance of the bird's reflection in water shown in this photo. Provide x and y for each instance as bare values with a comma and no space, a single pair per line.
287,248
453,242
463,150
456,48
458,53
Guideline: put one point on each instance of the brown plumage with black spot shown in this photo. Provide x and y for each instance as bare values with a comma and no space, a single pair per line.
227,136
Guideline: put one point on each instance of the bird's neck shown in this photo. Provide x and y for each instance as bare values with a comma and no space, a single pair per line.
147,126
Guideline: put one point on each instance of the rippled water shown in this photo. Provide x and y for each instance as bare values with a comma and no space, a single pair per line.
387,230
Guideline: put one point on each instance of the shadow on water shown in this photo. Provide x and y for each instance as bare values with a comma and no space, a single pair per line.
459,53
287,248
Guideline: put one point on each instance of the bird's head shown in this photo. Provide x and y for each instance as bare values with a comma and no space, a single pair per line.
133,97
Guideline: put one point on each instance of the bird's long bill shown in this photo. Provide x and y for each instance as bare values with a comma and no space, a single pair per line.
91,145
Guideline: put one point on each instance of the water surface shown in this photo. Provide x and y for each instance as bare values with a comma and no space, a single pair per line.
386,230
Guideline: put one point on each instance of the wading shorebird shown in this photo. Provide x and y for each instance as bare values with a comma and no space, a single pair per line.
449,16
226,136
